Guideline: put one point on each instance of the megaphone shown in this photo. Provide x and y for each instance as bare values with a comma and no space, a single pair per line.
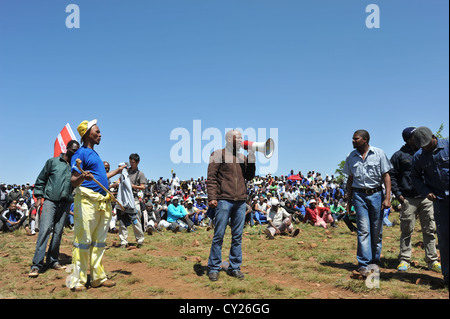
266,147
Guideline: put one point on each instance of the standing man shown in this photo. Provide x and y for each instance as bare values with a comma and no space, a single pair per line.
92,211
412,204
368,168
429,175
53,185
138,182
228,171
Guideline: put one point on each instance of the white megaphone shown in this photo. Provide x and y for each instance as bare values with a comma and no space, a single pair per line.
266,147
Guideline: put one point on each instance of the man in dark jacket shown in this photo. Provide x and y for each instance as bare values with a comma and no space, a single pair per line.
53,185
11,219
430,177
228,171
412,204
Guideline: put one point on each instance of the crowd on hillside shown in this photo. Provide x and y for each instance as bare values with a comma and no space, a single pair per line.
179,205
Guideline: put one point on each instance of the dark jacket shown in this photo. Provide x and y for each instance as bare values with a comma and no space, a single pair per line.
227,175
400,173
53,182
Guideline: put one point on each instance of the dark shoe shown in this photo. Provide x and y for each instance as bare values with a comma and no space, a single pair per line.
213,276
295,232
235,273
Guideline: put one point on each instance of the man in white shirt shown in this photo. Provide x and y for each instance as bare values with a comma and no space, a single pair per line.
280,221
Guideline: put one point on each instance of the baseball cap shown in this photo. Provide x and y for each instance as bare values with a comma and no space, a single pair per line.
422,136
408,133
85,126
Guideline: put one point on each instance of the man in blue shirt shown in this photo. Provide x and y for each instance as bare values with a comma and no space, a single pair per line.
430,177
368,168
92,211
176,214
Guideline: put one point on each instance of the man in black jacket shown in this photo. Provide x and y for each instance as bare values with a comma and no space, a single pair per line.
412,204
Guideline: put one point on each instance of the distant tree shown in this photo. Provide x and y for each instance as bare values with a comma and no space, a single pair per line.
439,132
339,172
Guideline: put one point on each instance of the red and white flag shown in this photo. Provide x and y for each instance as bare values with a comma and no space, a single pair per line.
62,139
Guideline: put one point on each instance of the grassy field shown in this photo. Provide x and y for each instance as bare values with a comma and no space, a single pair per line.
317,264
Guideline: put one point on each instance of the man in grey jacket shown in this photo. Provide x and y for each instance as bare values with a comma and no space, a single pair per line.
54,192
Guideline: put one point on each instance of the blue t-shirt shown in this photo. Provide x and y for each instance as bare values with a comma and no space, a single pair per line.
90,161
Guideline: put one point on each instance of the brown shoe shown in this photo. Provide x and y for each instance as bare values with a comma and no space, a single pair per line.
78,289
33,273
57,266
107,283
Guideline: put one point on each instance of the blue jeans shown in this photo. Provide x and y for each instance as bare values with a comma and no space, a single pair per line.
369,221
233,211
261,218
441,208
51,222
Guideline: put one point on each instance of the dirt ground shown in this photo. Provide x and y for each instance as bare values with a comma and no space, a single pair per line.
145,282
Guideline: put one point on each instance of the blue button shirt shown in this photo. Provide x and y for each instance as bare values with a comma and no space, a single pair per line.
367,173
430,170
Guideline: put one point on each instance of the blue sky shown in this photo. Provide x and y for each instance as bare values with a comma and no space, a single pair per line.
310,69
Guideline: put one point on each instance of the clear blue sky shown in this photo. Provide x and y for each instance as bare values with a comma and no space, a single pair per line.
311,69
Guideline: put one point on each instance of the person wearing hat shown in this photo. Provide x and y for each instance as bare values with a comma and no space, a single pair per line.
92,211
53,192
430,177
178,216
280,221
3,196
412,205
314,214
367,168
22,206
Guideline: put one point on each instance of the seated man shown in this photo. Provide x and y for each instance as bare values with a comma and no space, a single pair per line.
195,213
279,220
313,214
157,217
12,218
337,211
260,209
178,216
21,206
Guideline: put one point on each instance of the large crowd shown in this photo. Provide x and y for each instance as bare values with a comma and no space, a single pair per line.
308,198
232,195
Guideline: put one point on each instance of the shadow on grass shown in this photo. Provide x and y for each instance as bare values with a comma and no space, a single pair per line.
422,279
200,270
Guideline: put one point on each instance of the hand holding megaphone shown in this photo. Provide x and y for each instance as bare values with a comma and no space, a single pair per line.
266,147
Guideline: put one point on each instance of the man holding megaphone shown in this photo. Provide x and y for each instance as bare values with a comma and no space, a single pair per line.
228,171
